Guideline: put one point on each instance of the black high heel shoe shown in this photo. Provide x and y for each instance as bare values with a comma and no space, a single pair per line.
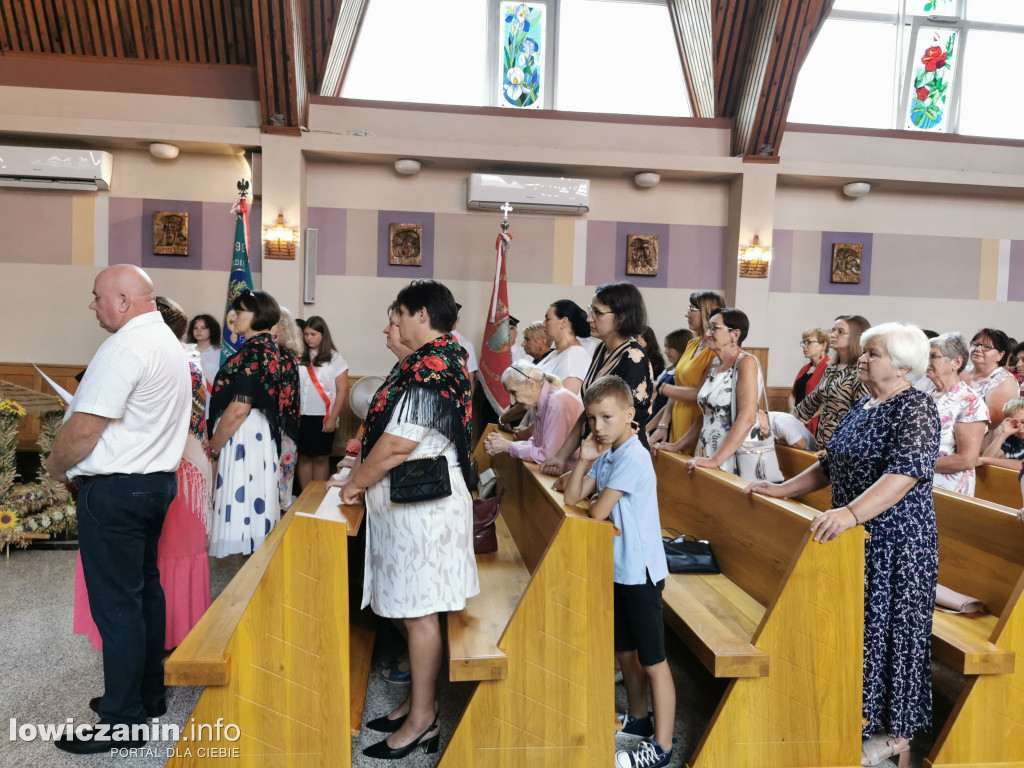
384,725
382,751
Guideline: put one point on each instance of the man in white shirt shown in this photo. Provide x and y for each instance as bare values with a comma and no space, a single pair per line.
471,364
122,440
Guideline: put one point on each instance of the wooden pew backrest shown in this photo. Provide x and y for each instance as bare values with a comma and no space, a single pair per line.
754,538
998,485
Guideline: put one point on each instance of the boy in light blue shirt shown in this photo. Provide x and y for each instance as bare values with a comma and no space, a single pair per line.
614,463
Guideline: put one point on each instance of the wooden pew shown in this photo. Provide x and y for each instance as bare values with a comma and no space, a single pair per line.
274,650
538,637
981,553
784,620
998,485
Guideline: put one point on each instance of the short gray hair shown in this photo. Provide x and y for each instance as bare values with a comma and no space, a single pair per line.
953,345
906,344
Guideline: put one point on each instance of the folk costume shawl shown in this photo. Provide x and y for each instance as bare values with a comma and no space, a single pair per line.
437,395
252,375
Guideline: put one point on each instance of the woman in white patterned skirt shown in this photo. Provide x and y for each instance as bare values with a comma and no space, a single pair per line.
419,556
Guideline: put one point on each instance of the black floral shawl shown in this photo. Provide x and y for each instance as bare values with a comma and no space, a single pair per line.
435,383
252,375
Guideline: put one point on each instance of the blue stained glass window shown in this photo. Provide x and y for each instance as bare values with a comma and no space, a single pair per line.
522,54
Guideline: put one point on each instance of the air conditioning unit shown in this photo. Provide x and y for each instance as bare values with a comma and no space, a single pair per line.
48,168
489,191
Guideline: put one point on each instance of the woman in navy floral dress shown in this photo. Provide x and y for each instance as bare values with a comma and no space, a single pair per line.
880,463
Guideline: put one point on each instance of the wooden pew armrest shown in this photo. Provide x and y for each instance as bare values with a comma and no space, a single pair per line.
717,620
961,641
201,658
474,632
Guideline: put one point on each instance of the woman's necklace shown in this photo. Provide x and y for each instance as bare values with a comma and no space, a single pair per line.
876,401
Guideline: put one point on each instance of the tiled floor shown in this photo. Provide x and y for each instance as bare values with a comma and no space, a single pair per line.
47,674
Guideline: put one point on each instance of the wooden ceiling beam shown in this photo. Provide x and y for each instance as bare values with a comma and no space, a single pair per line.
732,25
691,21
783,32
280,65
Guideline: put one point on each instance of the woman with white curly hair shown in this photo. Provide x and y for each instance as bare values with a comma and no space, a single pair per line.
880,463
556,411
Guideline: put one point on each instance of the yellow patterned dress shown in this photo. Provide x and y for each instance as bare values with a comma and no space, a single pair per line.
689,373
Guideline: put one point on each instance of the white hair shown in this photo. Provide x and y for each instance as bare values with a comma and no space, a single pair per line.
528,371
907,346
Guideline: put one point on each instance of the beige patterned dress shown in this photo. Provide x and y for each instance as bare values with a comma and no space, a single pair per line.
419,557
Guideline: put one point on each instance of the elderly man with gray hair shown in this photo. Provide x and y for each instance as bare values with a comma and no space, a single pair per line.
962,413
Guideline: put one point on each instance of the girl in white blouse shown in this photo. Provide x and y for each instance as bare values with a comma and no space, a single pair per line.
323,388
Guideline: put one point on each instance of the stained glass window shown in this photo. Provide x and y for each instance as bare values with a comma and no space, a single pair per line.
932,8
522,54
933,66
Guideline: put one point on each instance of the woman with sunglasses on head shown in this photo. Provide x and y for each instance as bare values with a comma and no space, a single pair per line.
690,372
734,383
840,385
617,315
986,375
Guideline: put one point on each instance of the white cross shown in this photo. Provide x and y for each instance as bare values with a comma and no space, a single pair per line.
506,209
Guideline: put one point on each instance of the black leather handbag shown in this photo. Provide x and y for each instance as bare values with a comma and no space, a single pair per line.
686,554
423,479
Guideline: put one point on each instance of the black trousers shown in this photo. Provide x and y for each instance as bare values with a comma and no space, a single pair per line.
119,522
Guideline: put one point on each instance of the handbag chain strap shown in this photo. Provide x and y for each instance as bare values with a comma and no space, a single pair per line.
438,456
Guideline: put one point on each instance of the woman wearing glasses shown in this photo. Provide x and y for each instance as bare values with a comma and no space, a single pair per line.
840,386
733,386
691,371
814,345
962,415
617,315
990,348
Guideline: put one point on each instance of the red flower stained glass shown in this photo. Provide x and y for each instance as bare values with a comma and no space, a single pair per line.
922,93
934,58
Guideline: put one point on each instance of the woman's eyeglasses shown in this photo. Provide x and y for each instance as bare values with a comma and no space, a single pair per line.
837,332
597,312
808,342
979,345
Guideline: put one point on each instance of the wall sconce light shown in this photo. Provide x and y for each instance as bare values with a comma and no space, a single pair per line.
279,242
754,260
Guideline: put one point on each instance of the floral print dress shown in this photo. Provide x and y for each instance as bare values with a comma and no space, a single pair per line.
715,400
629,362
901,557
960,405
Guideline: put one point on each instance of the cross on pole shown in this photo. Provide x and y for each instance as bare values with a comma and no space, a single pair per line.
506,209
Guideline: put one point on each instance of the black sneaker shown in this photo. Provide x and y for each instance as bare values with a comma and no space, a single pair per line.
648,754
637,726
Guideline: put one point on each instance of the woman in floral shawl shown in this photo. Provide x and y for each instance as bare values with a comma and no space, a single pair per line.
246,418
419,556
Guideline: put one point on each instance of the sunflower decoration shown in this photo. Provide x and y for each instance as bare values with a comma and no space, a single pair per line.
11,408
8,518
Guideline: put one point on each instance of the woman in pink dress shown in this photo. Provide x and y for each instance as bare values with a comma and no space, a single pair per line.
182,557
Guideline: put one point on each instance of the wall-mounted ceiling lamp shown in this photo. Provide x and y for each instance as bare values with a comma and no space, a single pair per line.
755,260
647,179
279,242
407,166
856,189
163,151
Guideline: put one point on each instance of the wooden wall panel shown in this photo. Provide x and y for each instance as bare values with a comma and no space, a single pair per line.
196,31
